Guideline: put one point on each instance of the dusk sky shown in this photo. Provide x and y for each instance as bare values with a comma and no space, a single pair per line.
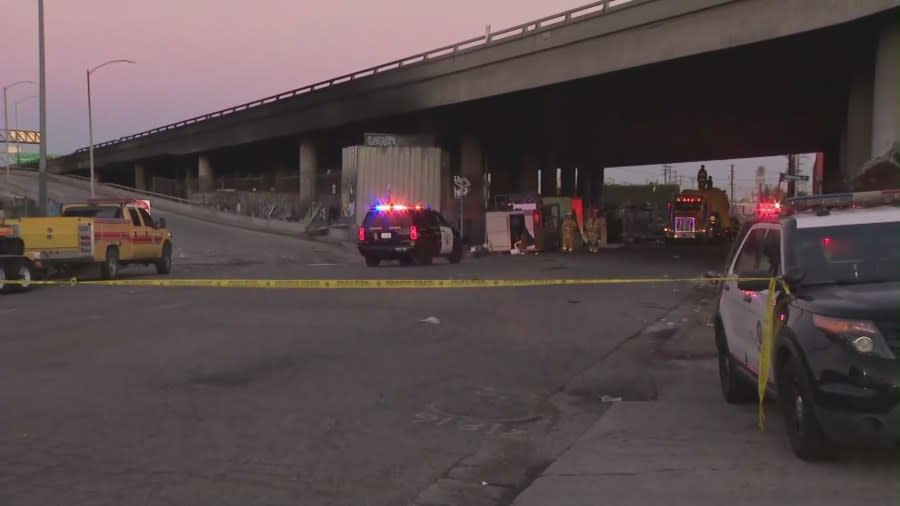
198,56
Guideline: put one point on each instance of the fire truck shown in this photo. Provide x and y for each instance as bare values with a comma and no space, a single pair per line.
700,214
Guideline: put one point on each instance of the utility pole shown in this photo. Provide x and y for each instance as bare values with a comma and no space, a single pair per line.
792,169
732,184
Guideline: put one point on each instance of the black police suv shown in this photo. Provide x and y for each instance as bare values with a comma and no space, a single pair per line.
410,234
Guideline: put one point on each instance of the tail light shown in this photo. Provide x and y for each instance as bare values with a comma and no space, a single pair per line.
413,233
361,234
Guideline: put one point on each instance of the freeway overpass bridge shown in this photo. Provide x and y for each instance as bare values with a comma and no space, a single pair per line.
611,83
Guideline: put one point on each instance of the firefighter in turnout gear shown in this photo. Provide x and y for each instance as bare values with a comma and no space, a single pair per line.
569,231
592,231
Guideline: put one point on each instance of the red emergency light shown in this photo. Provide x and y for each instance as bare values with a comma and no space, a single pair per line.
767,209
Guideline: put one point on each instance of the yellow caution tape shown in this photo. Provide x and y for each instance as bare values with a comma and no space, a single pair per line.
771,329
366,283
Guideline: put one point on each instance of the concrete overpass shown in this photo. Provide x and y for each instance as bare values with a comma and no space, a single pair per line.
611,83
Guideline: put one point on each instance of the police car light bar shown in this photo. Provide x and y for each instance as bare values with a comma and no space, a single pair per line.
395,207
835,200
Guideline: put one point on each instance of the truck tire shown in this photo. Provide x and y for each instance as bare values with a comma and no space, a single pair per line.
3,286
23,274
109,269
372,260
164,264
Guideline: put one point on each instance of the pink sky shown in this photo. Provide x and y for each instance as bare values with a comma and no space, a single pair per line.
197,56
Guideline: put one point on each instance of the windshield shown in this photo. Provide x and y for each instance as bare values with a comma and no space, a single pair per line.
387,219
94,212
850,253
688,206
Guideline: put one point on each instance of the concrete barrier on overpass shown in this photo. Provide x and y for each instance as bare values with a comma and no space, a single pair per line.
183,207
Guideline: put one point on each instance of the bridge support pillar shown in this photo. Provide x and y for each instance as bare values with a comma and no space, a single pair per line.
472,167
856,142
140,176
205,175
886,90
308,170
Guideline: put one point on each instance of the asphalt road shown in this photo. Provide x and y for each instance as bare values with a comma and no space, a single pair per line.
155,396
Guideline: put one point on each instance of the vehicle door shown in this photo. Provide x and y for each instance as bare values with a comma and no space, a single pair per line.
769,260
430,230
734,303
446,232
154,234
139,237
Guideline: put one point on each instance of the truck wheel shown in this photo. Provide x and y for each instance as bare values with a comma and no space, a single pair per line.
3,286
110,267
372,261
806,436
23,275
164,264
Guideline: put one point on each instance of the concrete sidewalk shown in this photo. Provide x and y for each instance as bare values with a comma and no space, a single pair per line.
691,448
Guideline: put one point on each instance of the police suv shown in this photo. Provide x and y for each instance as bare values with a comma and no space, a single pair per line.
410,234
835,363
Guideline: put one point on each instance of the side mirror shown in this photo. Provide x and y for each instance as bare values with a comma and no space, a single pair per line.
754,281
161,223
794,276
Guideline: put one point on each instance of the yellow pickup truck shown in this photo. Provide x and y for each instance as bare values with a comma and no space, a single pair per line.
108,233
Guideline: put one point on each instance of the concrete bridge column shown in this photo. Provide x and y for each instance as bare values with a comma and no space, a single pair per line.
308,169
856,144
140,176
205,175
472,167
886,90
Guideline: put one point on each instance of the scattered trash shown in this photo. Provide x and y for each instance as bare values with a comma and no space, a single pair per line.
708,324
607,399
484,483
432,320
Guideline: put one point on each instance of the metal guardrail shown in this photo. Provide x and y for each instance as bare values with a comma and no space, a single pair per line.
599,7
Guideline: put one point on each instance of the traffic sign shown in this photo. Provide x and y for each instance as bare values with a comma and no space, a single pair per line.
461,186
794,177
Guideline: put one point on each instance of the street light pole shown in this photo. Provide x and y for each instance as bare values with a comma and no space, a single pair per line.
42,80
91,117
16,126
6,123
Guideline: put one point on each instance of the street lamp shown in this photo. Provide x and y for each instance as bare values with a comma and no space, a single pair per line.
16,124
91,117
6,123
